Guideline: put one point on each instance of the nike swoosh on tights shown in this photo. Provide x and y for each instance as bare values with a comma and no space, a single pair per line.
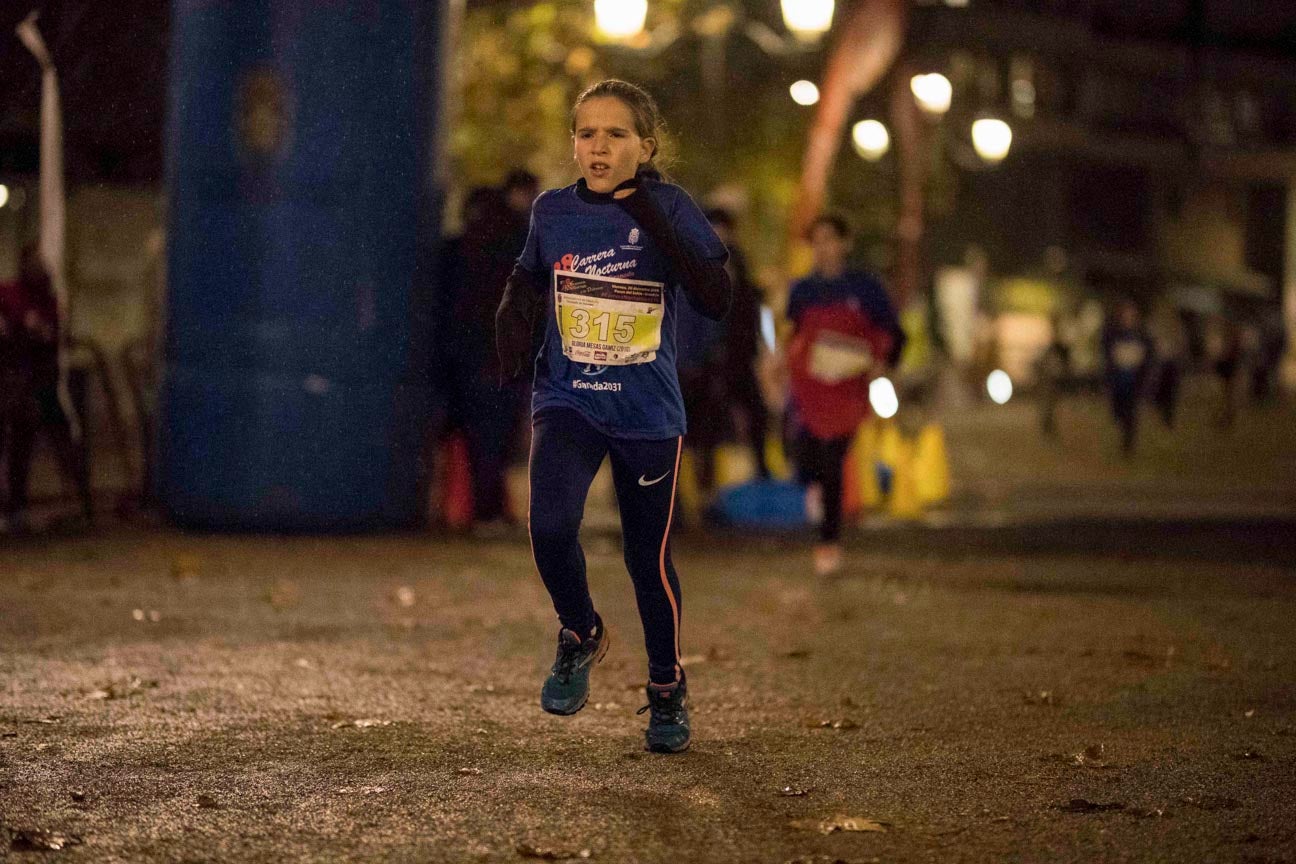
643,482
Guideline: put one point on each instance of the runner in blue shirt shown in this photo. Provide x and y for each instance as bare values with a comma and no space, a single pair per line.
607,263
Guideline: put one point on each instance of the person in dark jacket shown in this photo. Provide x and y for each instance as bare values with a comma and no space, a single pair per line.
30,312
1127,357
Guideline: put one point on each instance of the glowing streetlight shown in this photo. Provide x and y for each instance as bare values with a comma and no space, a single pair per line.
883,398
621,19
871,139
4,195
991,138
933,92
808,19
804,93
999,386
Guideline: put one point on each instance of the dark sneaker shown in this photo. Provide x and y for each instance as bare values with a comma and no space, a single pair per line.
668,725
566,689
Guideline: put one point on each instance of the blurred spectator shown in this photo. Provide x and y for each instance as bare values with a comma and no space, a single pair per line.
1170,341
520,190
699,362
742,343
1271,344
1053,371
1127,354
478,263
1223,352
30,314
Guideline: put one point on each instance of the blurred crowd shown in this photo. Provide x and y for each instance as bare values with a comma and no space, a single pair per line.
1145,359
32,402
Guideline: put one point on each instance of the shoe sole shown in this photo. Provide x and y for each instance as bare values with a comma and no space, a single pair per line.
666,750
598,658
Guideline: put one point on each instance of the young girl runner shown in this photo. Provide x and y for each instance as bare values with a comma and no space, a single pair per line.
845,333
607,263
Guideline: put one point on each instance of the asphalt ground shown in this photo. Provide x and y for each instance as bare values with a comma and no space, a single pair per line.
173,697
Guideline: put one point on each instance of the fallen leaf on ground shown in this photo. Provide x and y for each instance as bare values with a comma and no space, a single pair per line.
1040,697
1147,813
793,792
1250,754
470,771
526,850
45,721
1250,712
845,724
1082,805
841,823
123,688
35,840
363,723
405,597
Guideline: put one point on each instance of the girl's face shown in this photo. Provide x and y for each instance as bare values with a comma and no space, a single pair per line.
608,150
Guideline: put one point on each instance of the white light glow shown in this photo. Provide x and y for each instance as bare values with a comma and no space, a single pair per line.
621,19
804,93
768,332
808,19
871,139
991,138
883,398
4,195
933,92
999,386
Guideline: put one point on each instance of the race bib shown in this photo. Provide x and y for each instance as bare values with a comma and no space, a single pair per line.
608,321
836,357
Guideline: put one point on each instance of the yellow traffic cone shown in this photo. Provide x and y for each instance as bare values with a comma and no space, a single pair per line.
733,465
690,495
776,458
931,465
904,487
864,454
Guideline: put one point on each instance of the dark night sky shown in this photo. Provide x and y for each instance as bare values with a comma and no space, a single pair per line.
112,59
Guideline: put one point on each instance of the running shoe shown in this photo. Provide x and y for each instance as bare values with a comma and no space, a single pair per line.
566,690
668,724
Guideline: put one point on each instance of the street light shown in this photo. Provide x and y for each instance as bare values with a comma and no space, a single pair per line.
991,137
808,19
933,92
4,195
804,93
621,19
871,139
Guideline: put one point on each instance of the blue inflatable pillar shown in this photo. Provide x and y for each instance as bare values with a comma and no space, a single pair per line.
302,186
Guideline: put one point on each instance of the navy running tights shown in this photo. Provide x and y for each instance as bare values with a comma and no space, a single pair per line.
566,452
